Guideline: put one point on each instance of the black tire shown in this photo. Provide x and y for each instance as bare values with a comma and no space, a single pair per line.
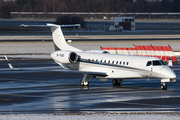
164,87
118,82
114,81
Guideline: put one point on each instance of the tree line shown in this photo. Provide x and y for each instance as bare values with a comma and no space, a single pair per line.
88,6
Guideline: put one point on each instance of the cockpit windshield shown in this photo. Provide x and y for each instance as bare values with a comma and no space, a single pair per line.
155,63
163,62
106,52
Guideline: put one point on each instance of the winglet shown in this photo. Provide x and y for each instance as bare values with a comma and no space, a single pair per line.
9,64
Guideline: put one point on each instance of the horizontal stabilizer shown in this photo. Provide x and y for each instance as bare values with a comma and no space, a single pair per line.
58,37
23,25
50,25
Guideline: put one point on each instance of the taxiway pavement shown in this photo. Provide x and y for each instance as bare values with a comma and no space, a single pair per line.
55,91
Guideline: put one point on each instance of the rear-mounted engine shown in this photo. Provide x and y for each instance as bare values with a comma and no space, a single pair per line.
73,57
64,57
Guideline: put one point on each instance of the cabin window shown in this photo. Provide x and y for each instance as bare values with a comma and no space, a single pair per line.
109,61
120,62
127,63
96,61
116,62
148,63
123,63
101,61
112,62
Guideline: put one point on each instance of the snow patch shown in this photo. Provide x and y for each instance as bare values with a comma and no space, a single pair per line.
92,116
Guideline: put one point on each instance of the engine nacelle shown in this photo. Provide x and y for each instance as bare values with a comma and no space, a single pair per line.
64,57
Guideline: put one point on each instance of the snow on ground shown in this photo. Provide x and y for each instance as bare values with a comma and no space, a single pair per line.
26,47
93,116
48,47
44,49
45,37
90,45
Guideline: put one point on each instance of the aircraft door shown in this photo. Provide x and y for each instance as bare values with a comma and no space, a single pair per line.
157,66
149,66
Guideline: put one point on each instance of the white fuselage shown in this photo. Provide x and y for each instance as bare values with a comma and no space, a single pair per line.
119,66
102,65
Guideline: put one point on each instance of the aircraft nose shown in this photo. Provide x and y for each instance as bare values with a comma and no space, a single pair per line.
171,74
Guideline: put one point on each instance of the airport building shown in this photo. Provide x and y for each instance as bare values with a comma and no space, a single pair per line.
123,23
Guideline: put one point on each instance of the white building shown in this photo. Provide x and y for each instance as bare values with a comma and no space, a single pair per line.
123,23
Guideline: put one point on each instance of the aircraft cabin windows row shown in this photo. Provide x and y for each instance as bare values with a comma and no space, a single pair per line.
109,62
155,63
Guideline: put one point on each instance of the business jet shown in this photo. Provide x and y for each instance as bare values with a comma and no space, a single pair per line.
102,65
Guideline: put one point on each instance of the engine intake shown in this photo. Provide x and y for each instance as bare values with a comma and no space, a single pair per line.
73,57
64,57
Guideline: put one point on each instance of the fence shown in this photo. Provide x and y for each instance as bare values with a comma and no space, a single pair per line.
162,52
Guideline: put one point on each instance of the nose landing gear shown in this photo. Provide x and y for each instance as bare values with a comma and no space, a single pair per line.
85,80
117,81
164,86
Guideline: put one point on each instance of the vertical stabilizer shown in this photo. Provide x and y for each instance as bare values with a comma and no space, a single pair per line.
59,40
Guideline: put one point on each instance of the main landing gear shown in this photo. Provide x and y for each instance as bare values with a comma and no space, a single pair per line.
117,81
164,86
85,80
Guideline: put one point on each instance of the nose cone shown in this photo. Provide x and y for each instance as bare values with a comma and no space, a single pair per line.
170,73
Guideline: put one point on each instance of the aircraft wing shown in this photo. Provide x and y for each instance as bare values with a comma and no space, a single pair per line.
51,69
78,72
82,72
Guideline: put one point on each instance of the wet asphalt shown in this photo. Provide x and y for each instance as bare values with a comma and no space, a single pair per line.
50,90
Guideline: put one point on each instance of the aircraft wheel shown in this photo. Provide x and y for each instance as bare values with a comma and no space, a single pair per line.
119,82
164,87
114,81
84,83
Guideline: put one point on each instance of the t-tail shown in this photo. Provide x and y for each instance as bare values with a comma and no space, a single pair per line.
58,37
